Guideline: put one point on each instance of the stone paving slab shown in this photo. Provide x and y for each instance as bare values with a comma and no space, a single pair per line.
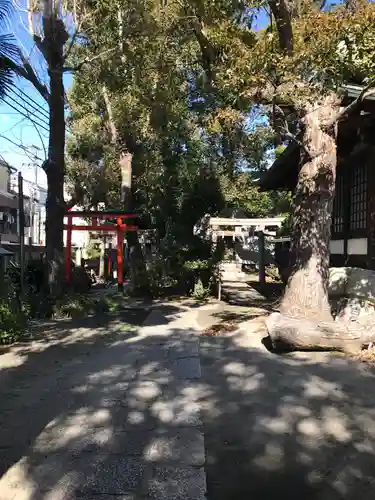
107,416
176,484
175,445
186,349
187,368
65,477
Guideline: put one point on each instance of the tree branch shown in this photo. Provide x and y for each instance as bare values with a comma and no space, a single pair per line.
280,12
207,50
71,44
71,203
111,121
76,32
294,137
27,72
88,60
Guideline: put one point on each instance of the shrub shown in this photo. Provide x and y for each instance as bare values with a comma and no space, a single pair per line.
80,280
12,323
13,319
34,276
159,277
78,306
39,305
200,292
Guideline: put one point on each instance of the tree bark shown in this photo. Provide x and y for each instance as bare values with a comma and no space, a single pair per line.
55,37
288,333
281,12
306,293
306,319
137,262
138,269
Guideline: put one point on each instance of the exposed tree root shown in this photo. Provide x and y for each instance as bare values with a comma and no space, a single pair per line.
291,333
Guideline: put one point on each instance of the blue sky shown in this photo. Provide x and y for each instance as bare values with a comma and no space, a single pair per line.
24,115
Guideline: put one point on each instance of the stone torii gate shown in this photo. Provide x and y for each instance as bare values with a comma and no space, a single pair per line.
241,229
255,224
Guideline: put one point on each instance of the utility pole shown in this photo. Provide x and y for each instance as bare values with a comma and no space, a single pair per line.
262,261
36,212
21,215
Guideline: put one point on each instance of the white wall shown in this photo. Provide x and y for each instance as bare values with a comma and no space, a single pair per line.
337,247
356,246
4,178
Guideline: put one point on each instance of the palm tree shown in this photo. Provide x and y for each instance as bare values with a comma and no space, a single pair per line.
8,50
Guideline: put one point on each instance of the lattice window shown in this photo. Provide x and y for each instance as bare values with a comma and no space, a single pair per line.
338,205
358,197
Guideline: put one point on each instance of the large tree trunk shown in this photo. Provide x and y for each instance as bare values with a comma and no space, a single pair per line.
305,321
137,263
55,209
138,269
55,37
306,293
288,333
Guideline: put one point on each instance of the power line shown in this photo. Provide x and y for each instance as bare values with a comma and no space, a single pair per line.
44,125
33,104
33,101
26,113
23,104
12,127
20,146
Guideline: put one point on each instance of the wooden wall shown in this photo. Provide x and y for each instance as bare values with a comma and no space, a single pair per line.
356,148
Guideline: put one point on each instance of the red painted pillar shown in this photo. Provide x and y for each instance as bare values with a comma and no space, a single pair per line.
68,251
120,245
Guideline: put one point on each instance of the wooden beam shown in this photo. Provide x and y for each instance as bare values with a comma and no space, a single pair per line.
227,221
104,227
101,215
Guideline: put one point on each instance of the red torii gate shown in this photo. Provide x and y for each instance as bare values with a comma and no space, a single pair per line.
120,227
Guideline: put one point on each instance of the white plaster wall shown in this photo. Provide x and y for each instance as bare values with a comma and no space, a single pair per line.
4,178
337,247
357,246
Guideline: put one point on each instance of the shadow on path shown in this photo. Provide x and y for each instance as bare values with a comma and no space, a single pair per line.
281,427
105,410
95,409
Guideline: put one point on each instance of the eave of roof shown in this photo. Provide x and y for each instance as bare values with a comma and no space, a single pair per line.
4,252
354,92
283,173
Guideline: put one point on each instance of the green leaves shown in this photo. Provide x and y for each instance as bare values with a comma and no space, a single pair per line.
191,138
8,49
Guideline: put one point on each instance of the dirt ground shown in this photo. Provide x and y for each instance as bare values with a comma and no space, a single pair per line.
299,425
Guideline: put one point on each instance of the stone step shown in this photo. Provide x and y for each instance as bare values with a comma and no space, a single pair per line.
231,265
241,295
234,281
234,276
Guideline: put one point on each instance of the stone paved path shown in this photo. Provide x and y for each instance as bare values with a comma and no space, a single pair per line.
102,413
